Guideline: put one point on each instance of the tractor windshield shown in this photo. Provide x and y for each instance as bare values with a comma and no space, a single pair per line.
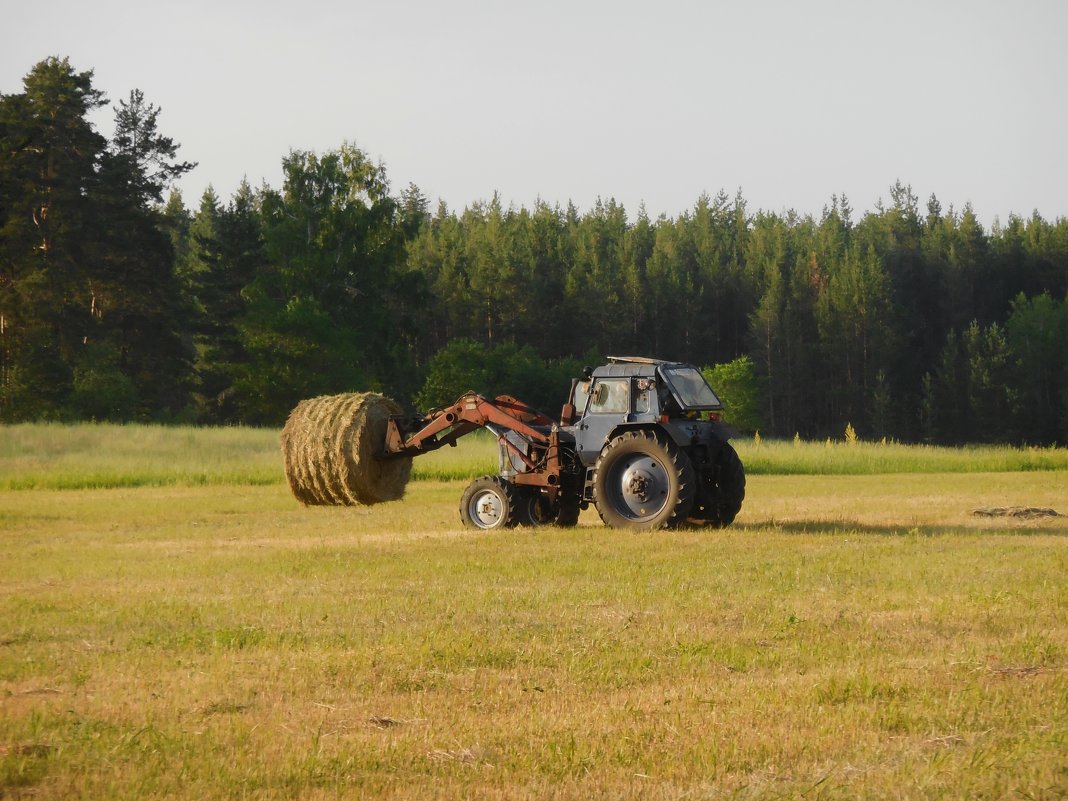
691,388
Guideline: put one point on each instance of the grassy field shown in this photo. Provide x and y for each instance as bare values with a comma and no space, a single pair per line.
191,636
43,456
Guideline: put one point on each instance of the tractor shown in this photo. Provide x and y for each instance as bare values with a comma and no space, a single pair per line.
638,439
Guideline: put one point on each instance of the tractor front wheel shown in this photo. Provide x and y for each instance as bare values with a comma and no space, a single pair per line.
643,481
488,503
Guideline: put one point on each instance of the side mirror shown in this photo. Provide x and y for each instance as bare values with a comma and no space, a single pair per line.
567,414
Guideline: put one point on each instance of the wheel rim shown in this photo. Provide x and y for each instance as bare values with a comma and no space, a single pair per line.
639,487
486,509
539,511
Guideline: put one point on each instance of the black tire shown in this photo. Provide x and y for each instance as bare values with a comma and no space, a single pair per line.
533,509
567,514
643,481
722,492
488,503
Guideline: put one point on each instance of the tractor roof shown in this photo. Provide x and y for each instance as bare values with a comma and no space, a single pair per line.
637,360
632,366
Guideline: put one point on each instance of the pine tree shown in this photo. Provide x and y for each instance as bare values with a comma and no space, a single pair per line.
142,153
143,314
49,155
1037,337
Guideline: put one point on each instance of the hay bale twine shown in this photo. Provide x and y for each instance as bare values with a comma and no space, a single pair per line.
330,446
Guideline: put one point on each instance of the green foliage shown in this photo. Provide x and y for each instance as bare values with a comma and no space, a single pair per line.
461,366
86,265
145,154
741,391
1036,335
49,156
225,250
504,370
913,326
295,351
101,390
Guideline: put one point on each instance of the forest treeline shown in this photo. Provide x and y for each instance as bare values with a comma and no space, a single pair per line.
119,303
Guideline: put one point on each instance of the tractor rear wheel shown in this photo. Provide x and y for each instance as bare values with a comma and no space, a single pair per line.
643,481
722,492
488,503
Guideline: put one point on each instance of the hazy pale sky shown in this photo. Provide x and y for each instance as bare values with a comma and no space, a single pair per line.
791,102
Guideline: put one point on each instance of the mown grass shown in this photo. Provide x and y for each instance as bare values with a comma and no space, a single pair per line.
100,456
851,637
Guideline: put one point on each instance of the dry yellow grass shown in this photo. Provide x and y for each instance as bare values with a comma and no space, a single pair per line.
860,637
902,501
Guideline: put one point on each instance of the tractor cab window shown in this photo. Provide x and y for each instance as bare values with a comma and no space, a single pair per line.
610,396
582,394
691,388
642,389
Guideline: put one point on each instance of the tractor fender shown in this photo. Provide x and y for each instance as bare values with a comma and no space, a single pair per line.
722,431
686,433
680,435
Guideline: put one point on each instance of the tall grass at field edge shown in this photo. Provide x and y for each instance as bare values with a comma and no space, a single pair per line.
774,457
106,455
103,456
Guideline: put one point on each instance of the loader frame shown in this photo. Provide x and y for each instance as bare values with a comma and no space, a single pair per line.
419,434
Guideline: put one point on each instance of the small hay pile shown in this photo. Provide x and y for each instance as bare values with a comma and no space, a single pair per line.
329,445
1026,512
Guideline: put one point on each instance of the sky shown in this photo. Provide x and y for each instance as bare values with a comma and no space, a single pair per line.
648,103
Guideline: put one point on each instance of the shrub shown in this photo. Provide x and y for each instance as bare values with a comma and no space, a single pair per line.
741,391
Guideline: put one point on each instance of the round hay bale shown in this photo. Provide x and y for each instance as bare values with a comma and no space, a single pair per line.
292,447
321,470
369,479
309,469
302,438
339,443
330,446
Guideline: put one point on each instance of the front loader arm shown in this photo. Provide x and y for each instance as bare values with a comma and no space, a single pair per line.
412,436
